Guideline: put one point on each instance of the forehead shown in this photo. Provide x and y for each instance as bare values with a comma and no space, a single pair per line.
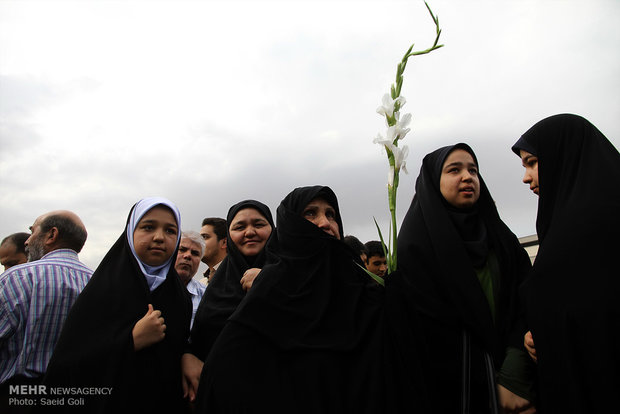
8,248
38,221
207,228
189,244
319,202
248,213
159,213
459,156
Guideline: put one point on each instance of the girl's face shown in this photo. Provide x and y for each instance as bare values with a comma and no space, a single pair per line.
321,213
530,162
249,230
155,236
459,183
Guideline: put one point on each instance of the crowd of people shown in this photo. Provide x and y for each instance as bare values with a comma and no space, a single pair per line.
286,318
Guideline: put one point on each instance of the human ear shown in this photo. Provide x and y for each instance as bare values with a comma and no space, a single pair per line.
52,237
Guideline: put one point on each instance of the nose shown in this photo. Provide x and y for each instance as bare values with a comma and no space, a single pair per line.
158,235
467,176
322,221
527,178
250,231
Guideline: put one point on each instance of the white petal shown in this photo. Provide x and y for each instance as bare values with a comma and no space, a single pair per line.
392,133
380,140
403,132
405,121
405,152
387,100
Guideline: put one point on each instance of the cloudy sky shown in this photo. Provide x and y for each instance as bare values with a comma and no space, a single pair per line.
208,103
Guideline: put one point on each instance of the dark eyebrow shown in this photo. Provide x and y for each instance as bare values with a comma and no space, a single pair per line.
527,159
460,164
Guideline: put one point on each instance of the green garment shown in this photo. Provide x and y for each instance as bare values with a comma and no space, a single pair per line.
487,276
518,371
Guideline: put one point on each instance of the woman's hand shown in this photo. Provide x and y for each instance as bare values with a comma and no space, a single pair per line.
248,278
149,330
528,341
192,368
511,403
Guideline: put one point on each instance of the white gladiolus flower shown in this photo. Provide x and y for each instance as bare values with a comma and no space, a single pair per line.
387,108
381,141
397,129
401,125
399,158
400,155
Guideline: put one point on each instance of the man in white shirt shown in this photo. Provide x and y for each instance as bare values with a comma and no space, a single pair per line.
190,251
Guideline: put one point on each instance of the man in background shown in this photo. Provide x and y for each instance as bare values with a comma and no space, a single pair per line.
375,260
35,298
188,259
213,232
13,250
357,246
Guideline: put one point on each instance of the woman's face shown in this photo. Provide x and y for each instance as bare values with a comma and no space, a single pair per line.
321,213
459,183
249,230
530,162
155,236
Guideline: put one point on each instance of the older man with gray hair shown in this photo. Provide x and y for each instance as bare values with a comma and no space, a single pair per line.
190,252
35,297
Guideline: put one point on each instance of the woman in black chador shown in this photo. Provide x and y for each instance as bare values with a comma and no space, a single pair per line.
249,227
305,339
124,336
572,296
459,271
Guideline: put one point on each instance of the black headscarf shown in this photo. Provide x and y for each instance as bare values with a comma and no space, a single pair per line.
96,347
572,296
439,248
306,338
224,291
316,284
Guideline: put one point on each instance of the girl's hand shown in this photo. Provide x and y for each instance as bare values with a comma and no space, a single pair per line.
149,330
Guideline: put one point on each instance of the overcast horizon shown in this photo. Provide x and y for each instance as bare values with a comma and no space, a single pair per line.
208,103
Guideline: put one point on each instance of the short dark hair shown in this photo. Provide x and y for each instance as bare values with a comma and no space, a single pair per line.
355,243
71,235
218,224
374,248
18,239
